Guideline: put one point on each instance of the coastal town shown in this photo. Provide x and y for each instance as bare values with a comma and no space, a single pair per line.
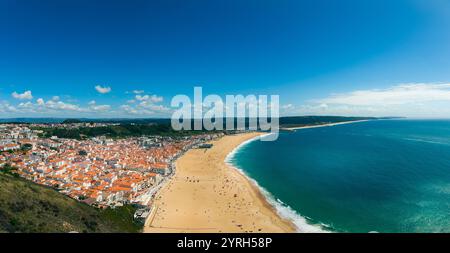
100,171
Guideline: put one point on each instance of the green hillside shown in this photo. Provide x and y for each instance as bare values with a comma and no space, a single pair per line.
28,207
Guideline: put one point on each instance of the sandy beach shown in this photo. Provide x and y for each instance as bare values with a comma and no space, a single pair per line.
323,125
207,195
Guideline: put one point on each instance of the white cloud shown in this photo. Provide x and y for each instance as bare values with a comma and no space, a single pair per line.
59,105
5,107
159,108
27,105
141,98
101,108
103,90
287,107
410,100
156,99
129,109
40,101
51,107
98,108
138,91
396,95
152,98
26,95
145,105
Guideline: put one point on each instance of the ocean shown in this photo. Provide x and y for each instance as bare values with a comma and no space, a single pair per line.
373,176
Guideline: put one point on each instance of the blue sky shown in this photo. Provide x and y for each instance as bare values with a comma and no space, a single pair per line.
128,58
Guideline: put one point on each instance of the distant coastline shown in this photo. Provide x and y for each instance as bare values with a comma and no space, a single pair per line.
271,214
280,208
323,125
285,120
339,177
170,205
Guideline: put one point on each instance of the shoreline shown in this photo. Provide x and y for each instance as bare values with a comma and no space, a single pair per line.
281,209
206,194
324,125
208,174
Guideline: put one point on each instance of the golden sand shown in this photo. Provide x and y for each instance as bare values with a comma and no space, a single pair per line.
324,125
207,195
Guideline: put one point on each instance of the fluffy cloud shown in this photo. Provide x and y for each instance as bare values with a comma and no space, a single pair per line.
103,90
47,108
44,107
410,100
55,106
40,101
147,98
397,95
60,105
26,95
145,105
101,108
5,107
27,105
129,109
98,108
156,110
137,91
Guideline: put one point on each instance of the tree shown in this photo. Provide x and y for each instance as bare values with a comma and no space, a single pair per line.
71,121
26,147
7,168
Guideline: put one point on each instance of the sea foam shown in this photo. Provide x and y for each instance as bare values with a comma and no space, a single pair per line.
285,211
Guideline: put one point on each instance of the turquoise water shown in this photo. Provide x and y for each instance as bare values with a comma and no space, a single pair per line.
384,176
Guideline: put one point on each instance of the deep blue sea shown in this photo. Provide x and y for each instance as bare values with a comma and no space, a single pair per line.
383,176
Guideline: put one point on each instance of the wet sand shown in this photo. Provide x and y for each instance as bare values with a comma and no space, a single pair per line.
207,195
